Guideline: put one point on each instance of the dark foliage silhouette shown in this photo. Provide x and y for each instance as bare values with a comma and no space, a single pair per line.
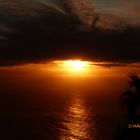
131,97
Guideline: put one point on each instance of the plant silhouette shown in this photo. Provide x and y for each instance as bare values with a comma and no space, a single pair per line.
130,98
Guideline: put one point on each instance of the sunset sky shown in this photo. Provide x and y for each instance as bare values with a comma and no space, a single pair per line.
64,65
42,30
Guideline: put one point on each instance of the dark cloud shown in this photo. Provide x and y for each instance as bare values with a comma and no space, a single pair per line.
117,64
42,31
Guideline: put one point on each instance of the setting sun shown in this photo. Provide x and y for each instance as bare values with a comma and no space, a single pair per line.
73,66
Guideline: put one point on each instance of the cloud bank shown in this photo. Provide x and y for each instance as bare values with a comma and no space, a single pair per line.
43,30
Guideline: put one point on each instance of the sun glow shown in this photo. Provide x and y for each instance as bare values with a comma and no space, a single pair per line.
74,66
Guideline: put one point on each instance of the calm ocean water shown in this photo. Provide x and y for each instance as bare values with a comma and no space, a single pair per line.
49,108
55,101
71,120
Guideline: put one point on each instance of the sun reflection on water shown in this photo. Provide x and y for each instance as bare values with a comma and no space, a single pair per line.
77,124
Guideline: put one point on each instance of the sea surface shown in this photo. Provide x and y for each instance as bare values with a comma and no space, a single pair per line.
42,106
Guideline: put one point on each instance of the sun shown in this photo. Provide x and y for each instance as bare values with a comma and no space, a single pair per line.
75,65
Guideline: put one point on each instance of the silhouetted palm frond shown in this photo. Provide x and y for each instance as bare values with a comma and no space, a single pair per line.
134,81
130,98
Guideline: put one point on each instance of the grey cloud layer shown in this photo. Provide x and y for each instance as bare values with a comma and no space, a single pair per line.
42,30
